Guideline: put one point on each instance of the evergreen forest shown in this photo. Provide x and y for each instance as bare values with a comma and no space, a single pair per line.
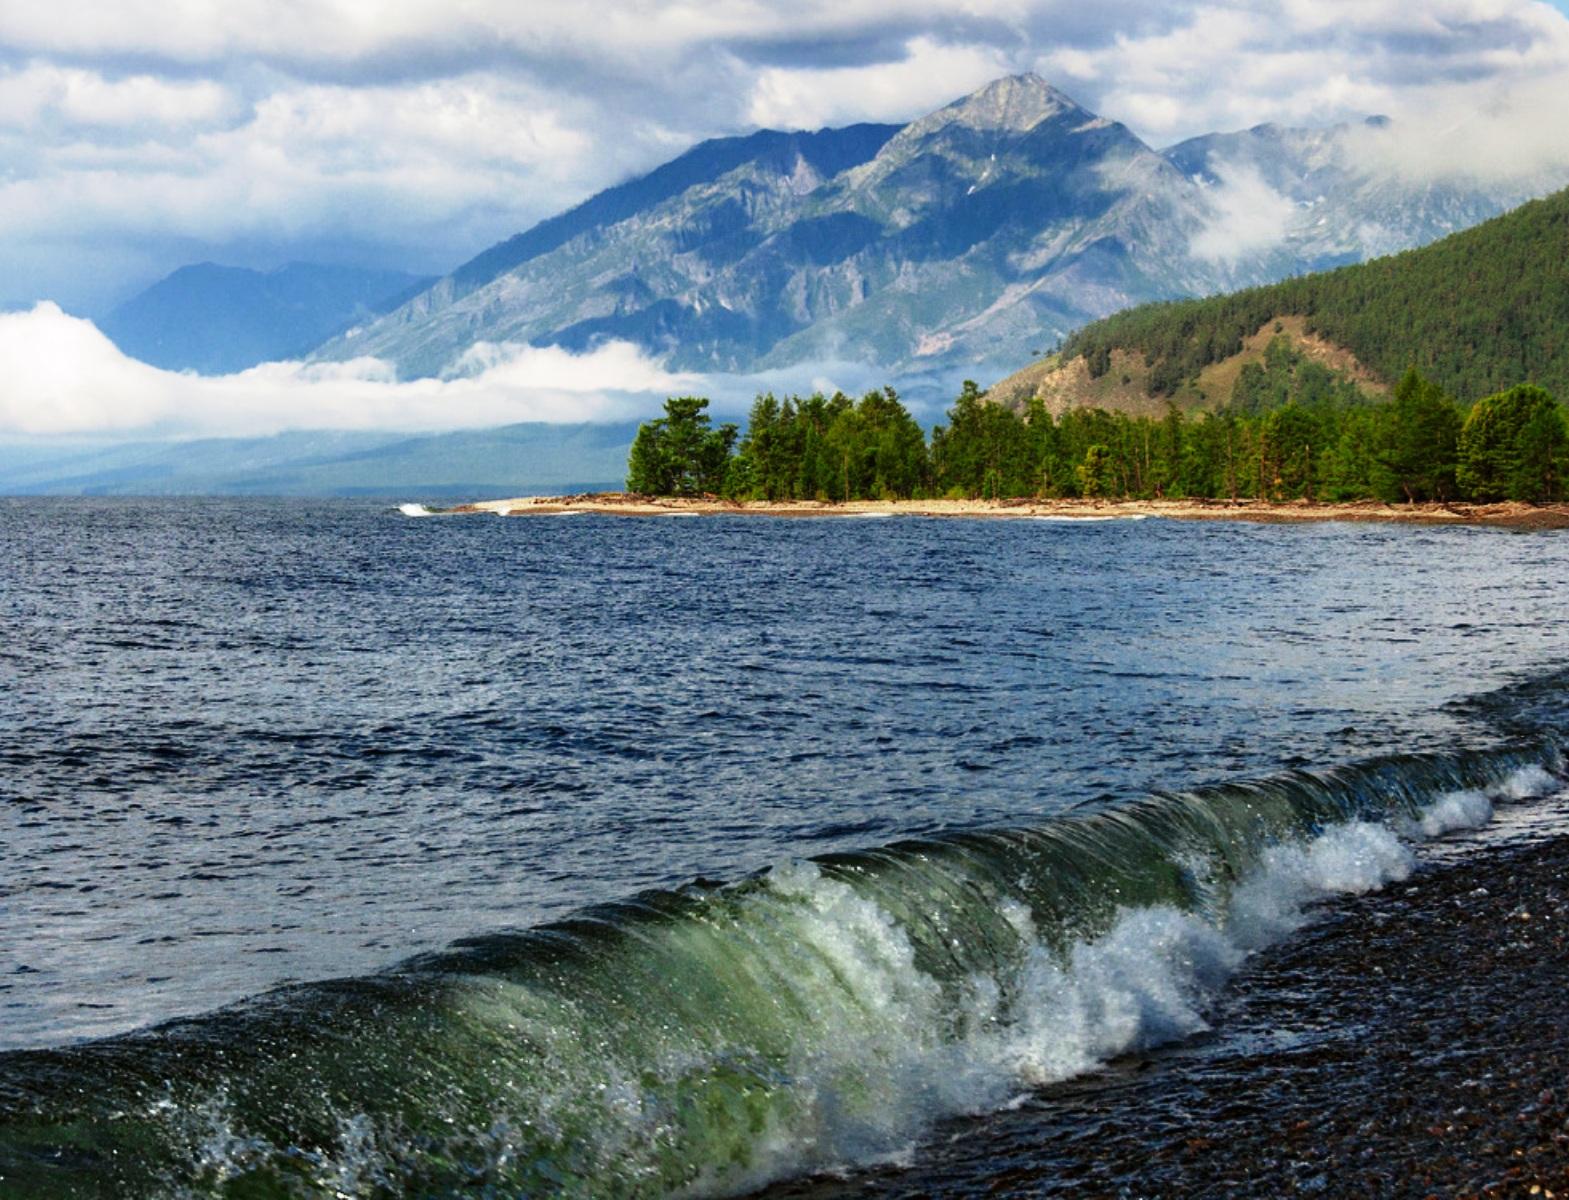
1292,430
1476,312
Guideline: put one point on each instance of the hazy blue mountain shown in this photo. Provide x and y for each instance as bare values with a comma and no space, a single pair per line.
216,320
964,240
509,461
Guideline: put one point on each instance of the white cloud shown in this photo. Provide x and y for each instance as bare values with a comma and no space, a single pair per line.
1313,62
421,131
1512,135
64,377
928,77
351,31
433,171
75,96
1247,217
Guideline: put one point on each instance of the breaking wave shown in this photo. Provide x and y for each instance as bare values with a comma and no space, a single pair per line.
707,1040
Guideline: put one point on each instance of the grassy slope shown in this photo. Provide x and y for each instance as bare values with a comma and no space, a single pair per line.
1478,312
1065,383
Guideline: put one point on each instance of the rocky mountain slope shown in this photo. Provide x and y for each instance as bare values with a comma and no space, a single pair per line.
962,242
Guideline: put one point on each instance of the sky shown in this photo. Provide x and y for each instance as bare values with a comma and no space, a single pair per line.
138,135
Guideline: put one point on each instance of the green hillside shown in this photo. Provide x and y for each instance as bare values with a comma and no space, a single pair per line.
1476,313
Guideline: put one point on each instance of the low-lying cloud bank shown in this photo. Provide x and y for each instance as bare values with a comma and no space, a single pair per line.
64,377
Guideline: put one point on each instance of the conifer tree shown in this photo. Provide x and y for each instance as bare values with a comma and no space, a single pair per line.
1418,447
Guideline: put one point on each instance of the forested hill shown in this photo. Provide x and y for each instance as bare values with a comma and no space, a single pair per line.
1478,312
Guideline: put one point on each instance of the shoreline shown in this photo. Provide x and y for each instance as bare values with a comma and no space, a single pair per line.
1513,515
1409,1042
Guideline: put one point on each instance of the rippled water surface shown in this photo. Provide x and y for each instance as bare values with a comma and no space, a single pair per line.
248,742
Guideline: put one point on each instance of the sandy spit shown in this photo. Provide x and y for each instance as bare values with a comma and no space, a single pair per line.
1511,515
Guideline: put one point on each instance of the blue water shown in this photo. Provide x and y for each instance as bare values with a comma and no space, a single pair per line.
247,743
256,741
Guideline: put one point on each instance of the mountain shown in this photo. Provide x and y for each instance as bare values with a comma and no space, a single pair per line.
217,320
961,242
1476,312
776,256
607,268
1334,204
514,460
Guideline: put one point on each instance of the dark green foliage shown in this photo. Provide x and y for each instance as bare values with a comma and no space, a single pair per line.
1098,472
985,449
1416,457
646,470
1348,465
1512,447
679,454
1319,440
1288,442
1476,312
1287,376
821,448
875,450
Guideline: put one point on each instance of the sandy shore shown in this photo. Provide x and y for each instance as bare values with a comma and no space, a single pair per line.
1508,515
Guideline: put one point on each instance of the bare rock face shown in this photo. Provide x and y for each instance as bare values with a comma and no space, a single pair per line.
960,242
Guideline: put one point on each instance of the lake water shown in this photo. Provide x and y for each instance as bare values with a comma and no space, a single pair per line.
249,744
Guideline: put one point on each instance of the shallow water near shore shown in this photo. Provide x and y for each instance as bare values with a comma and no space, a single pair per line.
270,743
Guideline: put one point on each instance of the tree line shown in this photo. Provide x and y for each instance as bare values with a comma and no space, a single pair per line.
1292,431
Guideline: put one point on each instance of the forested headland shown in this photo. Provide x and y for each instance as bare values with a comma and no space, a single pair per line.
1476,313
1474,328
1292,431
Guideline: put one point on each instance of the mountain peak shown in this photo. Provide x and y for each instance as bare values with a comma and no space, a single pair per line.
1015,103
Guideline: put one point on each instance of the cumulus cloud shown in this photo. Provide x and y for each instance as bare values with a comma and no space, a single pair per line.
1508,134
414,34
318,155
65,377
1233,65
76,97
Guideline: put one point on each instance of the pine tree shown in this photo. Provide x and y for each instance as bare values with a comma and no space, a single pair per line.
647,471
678,454
1420,438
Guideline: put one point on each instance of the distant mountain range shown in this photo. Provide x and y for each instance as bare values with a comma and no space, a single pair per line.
961,242
216,320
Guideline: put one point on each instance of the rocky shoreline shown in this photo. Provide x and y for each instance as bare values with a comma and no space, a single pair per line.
1509,515
1411,1043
